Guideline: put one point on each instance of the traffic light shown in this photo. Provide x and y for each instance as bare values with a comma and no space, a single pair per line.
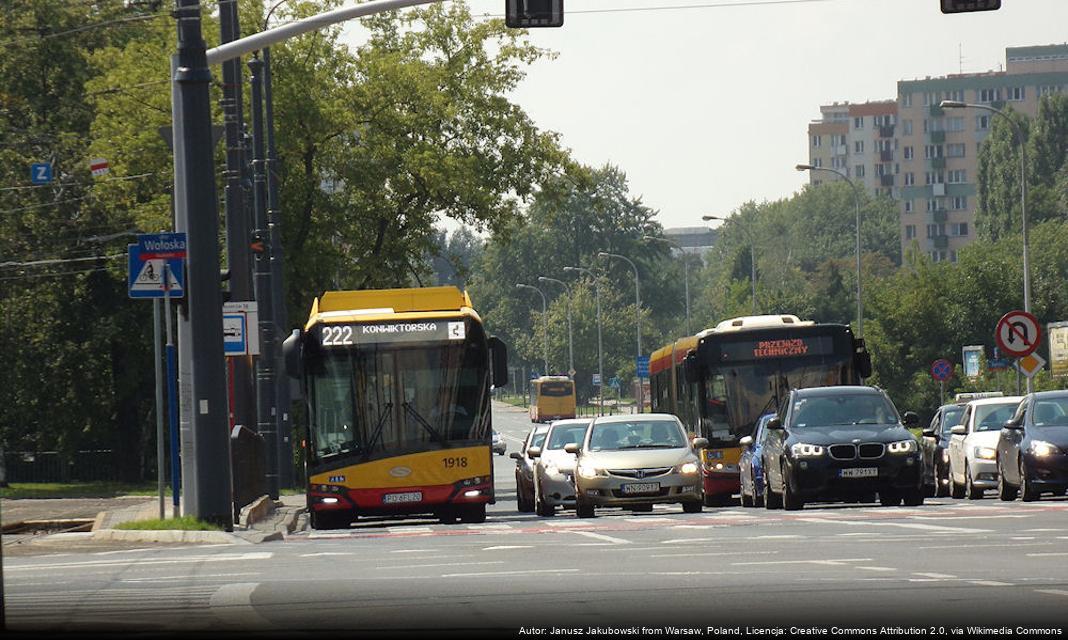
963,6
525,14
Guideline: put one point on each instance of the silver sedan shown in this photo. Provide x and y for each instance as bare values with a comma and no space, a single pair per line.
554,471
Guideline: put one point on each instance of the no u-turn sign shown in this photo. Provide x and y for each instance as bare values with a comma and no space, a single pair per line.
1018,333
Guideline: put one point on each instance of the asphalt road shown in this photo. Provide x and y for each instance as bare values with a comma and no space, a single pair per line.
949,563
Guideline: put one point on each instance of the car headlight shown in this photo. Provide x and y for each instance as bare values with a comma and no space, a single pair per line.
688,468
902,446
1043,449
985,453
587,471
804,450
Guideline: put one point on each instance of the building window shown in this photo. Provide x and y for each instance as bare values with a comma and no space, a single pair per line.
910,231
956,94
816,141
982,123
931,98
858,171
1015,94
908,206
908,153
910,179
858,123
936,230
1049,89
958,176
817,162
952,255
906,126
931,151
932,205
955,150
960,202
906,100
956,123
935,177
989,95
858,146
938,256
958,229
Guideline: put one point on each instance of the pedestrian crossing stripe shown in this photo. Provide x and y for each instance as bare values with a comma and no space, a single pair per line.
150,278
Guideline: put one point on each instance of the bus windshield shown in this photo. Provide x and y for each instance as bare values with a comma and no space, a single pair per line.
382,398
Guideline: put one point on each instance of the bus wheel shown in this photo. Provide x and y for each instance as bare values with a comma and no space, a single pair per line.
447,515
323,520
473,513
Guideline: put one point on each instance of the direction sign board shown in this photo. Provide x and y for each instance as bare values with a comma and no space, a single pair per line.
1030,364
596,379
941,370
166,246
1018,333
145,277
642,363
241,332
1058,348
972,356
41,172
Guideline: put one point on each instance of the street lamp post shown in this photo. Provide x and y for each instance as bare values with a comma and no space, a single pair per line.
956,104
570,343
637,317
752,255
686,275
600,347
856,200
545,323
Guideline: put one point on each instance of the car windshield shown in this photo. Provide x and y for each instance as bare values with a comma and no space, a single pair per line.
991,417
637,434
1051,413
843,409
562,435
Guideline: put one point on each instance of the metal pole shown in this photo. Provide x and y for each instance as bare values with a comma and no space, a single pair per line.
172,395
196,213
600,344
286,472
686,279
266,387
567,305
160,452
1023,215
638,323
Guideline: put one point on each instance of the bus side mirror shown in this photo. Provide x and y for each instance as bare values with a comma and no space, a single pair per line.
291,352
499,362
689,366
861,358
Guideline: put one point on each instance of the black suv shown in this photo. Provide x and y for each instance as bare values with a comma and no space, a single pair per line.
841,443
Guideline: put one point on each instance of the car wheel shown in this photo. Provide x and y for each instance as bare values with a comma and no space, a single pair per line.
772,500
970,490
473,513
1028,491
325,520
747,500
955,490
642,508
913,497
541,507
1006,492
889,498
692,507
523,503
790,500
941,481
583,509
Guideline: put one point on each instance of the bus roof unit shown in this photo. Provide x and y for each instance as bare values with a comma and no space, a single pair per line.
760,322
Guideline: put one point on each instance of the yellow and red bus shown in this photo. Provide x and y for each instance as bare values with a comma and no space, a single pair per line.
397,384
720,381
552,398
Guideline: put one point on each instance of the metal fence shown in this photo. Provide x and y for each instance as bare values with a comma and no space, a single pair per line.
50,466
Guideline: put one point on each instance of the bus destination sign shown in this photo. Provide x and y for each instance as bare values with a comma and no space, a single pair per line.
343,335
777,348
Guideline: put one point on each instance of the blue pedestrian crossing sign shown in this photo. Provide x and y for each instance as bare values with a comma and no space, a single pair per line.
145,277
41,172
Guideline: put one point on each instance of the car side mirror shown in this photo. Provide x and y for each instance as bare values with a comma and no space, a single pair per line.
929,432
1013,425
959,430
700,443
774,423
534,452
571,447
515,455
746,442
911,420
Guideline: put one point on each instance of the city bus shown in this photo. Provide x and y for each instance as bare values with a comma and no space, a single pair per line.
397,387
720,381
552,398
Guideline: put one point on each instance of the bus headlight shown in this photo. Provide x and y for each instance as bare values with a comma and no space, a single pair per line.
587,471
688,469
902,446
804,450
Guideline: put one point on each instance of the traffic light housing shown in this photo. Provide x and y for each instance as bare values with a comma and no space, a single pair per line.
964,6
526,14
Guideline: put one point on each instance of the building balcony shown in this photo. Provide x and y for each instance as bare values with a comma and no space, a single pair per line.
886,131
886,180
938,137
939,216
887,155
938,189
938,163
941,242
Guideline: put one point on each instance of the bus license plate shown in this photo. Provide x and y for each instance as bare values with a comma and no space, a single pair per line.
641,487
865,472
397,498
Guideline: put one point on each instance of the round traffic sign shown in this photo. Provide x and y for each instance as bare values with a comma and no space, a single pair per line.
941,370
1018,333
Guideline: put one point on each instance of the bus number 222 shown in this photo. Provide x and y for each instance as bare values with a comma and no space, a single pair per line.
452,463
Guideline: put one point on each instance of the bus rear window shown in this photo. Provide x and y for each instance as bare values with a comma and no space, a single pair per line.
556,389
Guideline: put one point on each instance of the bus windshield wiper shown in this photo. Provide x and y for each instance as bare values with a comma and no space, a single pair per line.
422,422
378,427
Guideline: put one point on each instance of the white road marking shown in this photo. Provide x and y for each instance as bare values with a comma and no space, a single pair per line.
992,517
1056,592
599,536
878,568
489,526
412,551
1040,555
990,583
326,553
232,605
440,564
942,576
777,537
196,577
568,523
834,562
649,519
718,553
508,546
685,540
1022,538
907,525
989,546
1041,530
99,564
507,573
412,530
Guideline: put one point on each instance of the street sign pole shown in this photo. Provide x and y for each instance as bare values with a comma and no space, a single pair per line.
160,464
172,393
941,392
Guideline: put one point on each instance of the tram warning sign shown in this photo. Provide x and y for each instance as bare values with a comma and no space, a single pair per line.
1018,333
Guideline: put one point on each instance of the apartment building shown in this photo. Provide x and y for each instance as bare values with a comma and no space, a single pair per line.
926,157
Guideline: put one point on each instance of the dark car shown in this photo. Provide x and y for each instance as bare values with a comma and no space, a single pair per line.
934,445
840,444
499,447
524,468
1032,449
750,467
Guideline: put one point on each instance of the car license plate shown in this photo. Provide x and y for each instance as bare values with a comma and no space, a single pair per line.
864,472
408,496
641,487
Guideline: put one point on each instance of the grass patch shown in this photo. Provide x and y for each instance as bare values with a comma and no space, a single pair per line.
184,523
24,490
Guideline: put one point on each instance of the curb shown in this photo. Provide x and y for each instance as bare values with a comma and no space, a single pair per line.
167,535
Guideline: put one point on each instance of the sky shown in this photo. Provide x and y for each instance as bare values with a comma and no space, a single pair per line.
706,106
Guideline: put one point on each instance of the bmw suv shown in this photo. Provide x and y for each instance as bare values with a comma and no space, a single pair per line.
840,443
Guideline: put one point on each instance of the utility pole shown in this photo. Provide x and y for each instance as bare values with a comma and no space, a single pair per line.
266,363
209,489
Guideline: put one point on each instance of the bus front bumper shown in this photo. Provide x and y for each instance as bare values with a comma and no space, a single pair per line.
402,500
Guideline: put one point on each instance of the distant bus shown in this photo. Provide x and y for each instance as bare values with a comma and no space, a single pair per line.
397,384
720,381
552,398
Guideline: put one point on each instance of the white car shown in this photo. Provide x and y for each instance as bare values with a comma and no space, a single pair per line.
973,466
554,470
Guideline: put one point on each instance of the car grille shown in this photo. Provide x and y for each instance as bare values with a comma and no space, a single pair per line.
871,450
843,451
640,473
